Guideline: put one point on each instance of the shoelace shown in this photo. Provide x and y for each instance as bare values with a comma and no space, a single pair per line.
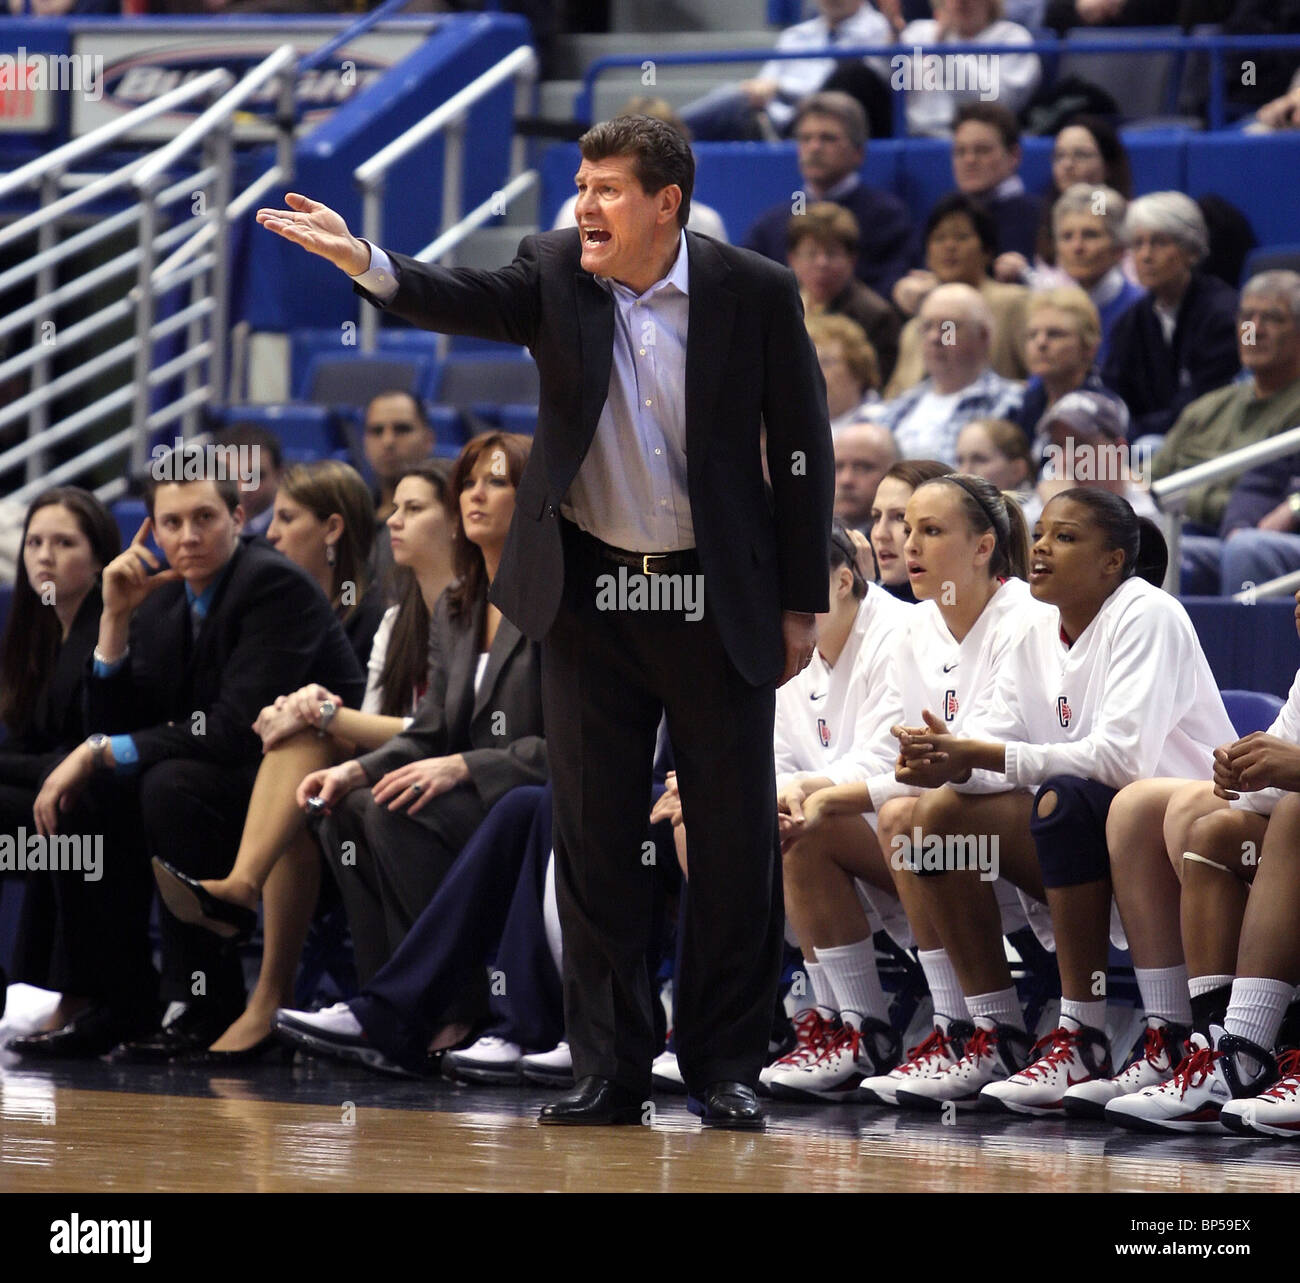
845,1038
983,1042
936,1046
1288,1082
810,1032
1156,1046
1062,1042
1194,1069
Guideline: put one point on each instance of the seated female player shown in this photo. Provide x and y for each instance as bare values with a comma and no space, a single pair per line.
888,509
946,652
832,709
278,861
1232,845
1110,687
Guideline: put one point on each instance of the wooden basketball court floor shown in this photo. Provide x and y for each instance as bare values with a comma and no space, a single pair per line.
318,1126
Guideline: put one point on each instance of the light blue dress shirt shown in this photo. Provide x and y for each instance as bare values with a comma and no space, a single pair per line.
631,489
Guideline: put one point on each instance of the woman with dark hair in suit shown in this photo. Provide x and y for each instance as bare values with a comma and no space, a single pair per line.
68,539
323,519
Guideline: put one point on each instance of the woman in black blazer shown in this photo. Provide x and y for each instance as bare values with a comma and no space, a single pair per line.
464,634
68,539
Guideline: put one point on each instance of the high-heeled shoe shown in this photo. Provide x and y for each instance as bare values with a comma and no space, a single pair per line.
249,1055
190,901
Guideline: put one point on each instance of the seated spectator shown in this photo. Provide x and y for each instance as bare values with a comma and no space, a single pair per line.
324,521
848,364
823,252
1089,250
1281,113
998,451
932,111
765,106
959,247
184,660
703,218
1261,526
1061,340
1180,341
986,158
1063,15
1086,149
257,503
68,537
397,817
278,860
830,130
864,452
956,327
397,434
1239,414
1086,445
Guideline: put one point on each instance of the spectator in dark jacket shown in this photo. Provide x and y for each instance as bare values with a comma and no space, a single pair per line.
1180,341
831,132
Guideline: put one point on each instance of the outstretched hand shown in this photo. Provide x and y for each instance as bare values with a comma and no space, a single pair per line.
318,229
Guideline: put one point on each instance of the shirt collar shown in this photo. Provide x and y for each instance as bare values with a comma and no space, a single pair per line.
1008,187
843,187
201,602
1108,288
679,275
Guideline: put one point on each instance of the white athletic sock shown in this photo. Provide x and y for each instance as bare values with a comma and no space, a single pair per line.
945,988
823,994
1256,1009
1198,985
1000,1008
1165,993
1092,1014
851,970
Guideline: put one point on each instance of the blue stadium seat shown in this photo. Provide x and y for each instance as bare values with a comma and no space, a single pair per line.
1256,174
519,418
1269,258
1251,711
355,378
129,514
304,431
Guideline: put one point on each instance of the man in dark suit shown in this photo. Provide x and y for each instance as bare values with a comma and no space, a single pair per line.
186,658
662,356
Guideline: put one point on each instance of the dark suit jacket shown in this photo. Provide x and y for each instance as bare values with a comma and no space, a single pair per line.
498,731
269,630
749,362
1258,492
59,718
884,235
1157,384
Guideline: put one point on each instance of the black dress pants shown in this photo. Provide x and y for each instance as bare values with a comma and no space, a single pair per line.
607,675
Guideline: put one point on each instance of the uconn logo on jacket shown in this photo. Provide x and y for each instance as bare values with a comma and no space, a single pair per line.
1063,712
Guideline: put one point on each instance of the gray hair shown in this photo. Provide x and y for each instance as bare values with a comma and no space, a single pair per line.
1082,198
1280,284
839,106
1176,215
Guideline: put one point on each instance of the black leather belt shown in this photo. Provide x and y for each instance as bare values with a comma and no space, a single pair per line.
687,561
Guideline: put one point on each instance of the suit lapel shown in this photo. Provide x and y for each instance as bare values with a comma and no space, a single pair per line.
711,318
596,327
504,645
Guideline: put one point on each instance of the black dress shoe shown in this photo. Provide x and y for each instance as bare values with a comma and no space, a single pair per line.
187,1037
190,901
92,1033
248,1055
731,1105
596,1102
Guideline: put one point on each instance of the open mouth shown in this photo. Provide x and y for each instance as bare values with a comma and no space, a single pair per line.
914,569
1038,570
594,236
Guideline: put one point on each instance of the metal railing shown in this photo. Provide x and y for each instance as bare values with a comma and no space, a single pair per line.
181,215
1170,494
1215,47
450,120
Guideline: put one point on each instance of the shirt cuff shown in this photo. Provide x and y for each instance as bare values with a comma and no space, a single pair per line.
102,668
125,757
380,278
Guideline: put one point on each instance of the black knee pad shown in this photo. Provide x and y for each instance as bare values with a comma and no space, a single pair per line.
1071,841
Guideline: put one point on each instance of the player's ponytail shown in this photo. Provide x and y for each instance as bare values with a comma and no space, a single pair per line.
1139,539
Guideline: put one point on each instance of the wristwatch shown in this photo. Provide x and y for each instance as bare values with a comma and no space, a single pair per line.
98,744
327,711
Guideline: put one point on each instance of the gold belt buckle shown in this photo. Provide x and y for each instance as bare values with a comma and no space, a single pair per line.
647,558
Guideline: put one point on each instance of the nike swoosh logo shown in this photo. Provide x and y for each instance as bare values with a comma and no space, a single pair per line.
821,696
1071,1081
947,668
